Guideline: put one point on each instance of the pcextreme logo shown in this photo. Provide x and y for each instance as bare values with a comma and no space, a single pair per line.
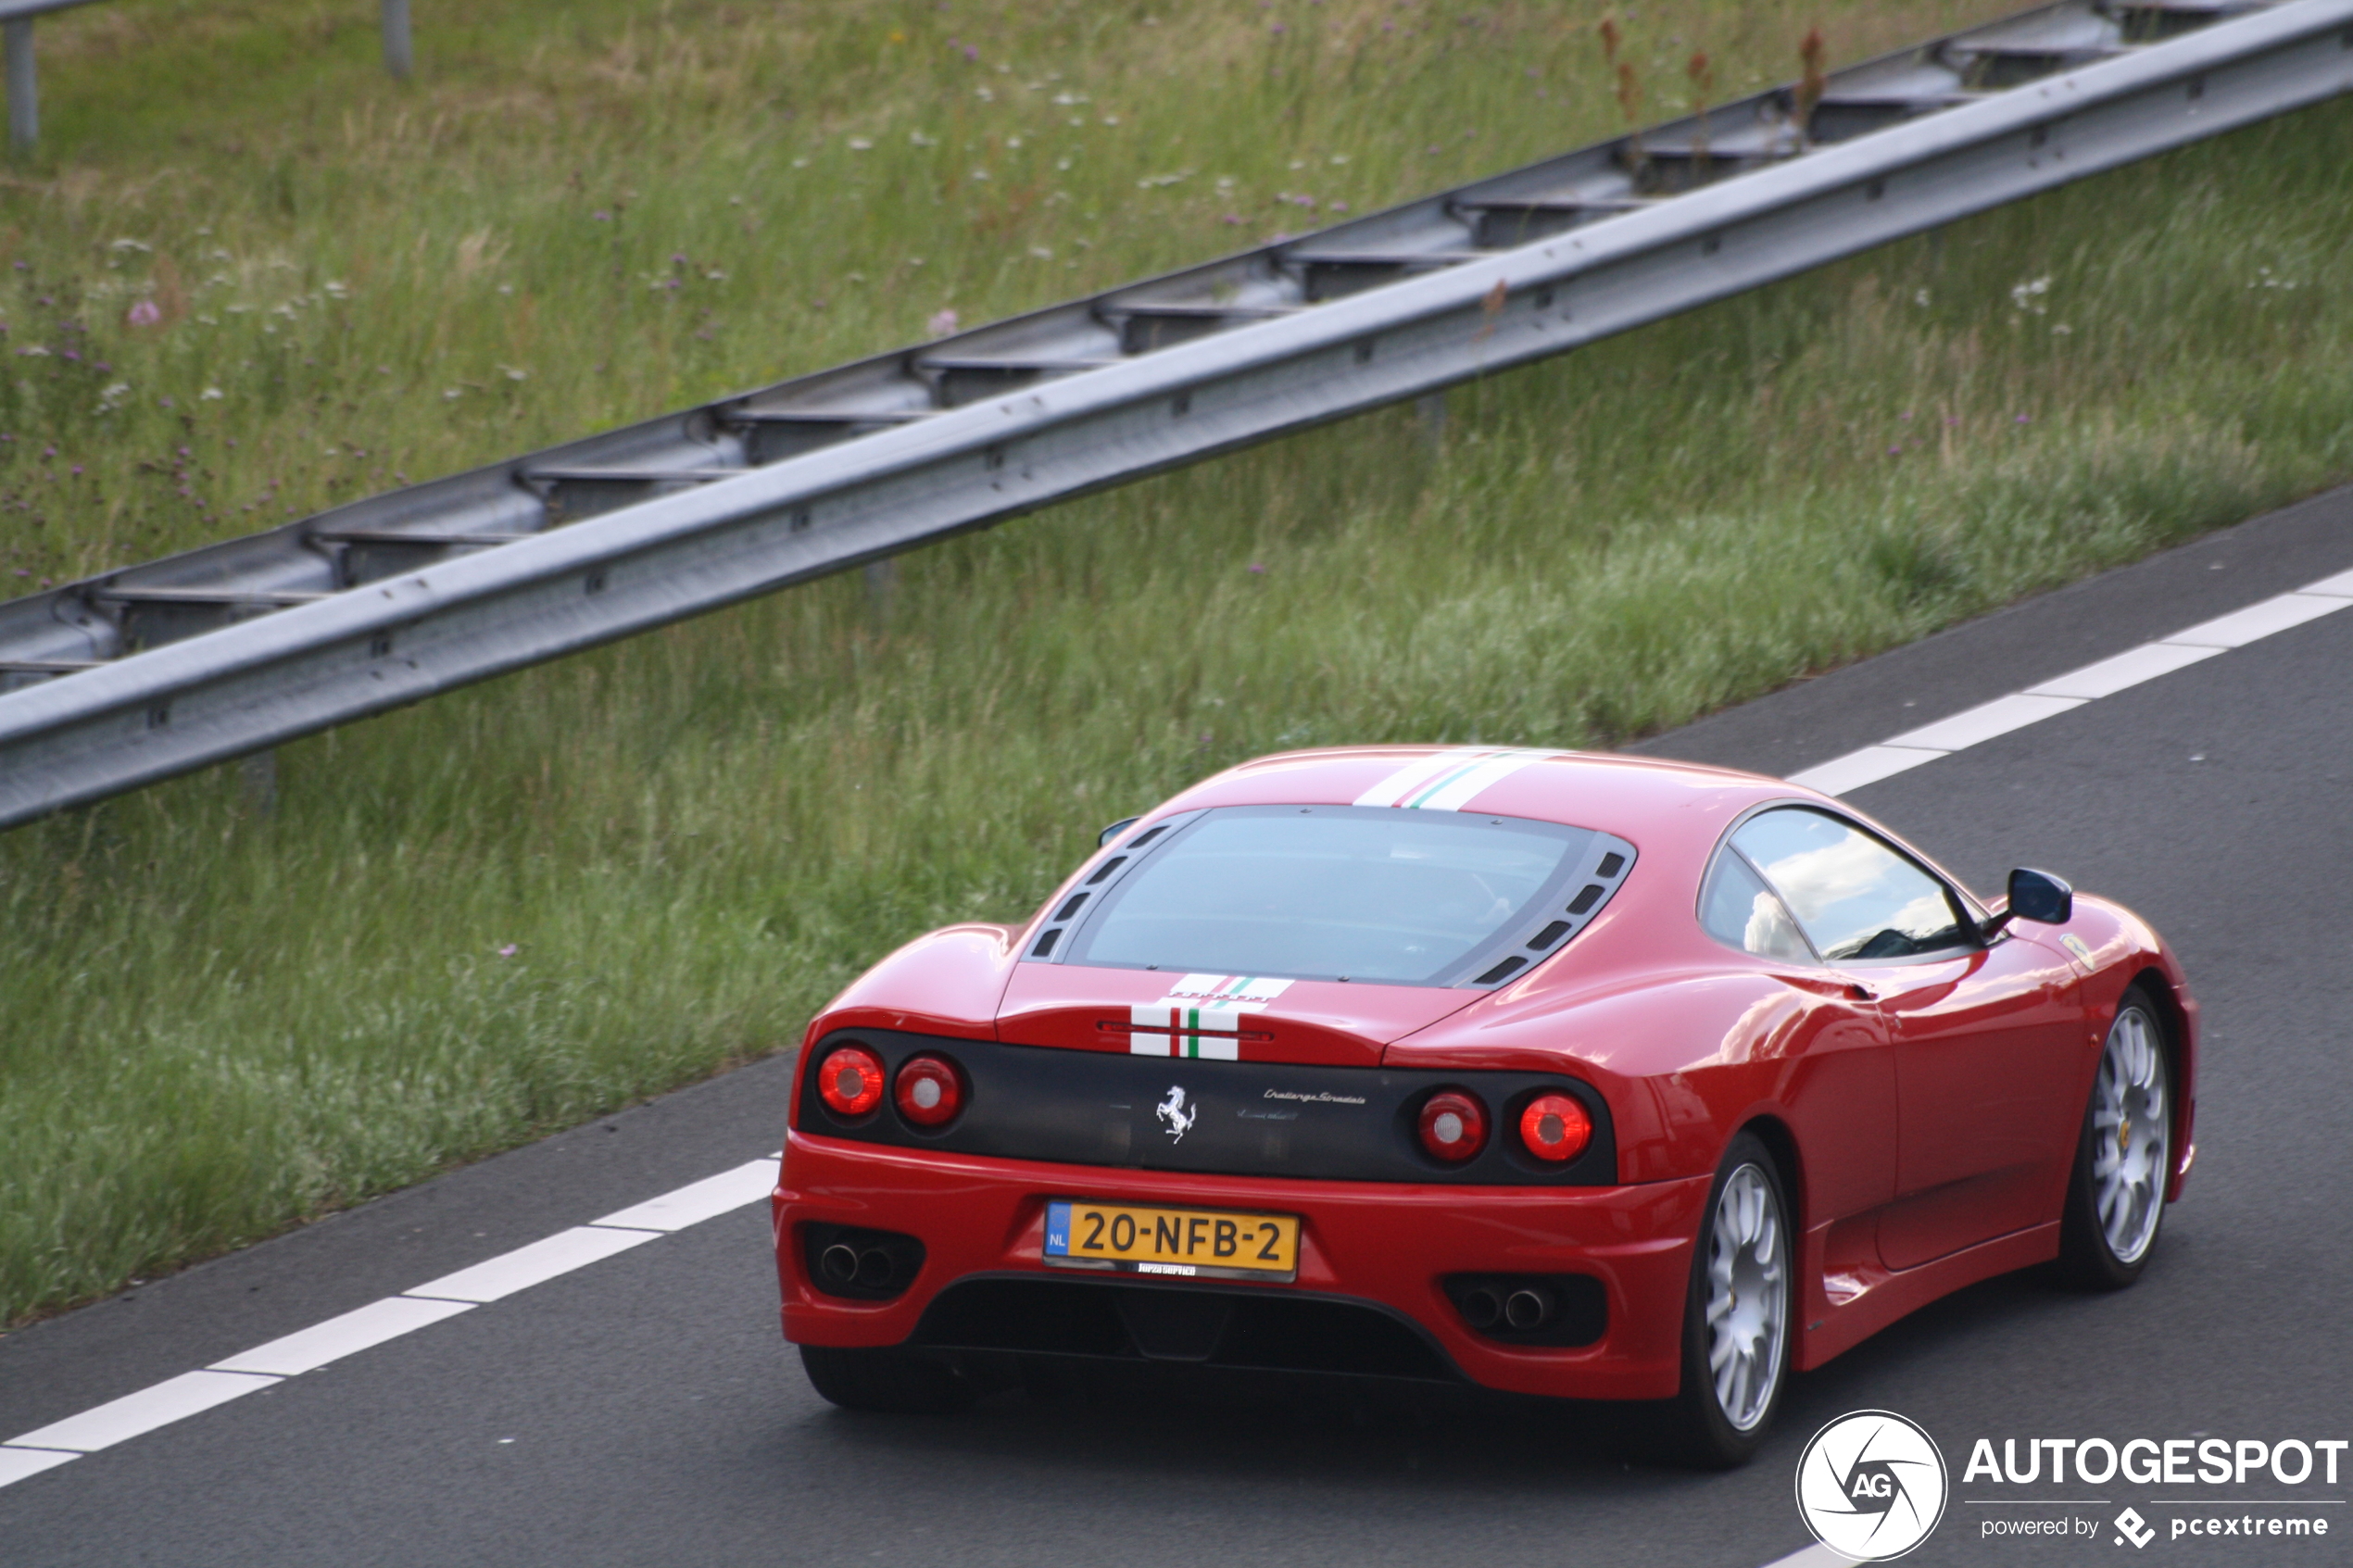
1871,1485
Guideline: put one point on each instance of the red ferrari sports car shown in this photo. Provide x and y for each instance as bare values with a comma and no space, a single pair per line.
1579,1075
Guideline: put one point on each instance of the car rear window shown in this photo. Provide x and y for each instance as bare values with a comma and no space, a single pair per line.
1331,891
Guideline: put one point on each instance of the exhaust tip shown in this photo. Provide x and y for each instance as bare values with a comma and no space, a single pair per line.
838,1263
874,1268
1527,1308
1482,1309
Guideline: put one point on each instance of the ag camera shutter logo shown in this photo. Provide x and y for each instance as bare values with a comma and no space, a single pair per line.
1871,1485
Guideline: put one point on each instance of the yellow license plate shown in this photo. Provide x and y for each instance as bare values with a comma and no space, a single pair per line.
1140,1239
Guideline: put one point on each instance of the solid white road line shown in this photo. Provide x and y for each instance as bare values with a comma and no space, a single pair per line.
497,1278
432,1302
2064,694
337,1337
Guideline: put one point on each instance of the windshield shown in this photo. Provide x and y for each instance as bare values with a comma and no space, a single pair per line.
1332,892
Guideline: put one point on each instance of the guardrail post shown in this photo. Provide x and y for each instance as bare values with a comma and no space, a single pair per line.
257,782
399,58
24,97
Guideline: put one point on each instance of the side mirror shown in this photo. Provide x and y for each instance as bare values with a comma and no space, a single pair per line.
2041,897
1116,830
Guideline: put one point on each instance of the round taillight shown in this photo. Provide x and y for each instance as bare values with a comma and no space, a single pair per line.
1555,1127
1454,1125
929,1092
850,1080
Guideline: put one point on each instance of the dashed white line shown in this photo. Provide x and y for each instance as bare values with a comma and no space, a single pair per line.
18,1464
497,1278
1815,1556
117,1420
493,1279
337,1337
2064,694
2129,668
705,1199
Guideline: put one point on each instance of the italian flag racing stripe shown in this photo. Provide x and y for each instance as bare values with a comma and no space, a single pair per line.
1447,780
1202,1016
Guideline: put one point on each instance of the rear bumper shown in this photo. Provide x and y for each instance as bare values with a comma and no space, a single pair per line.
1378,1245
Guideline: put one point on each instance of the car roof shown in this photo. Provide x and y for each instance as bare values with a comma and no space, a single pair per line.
1629,795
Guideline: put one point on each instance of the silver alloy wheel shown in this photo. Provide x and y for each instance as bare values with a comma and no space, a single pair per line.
1747,1297
2131,1136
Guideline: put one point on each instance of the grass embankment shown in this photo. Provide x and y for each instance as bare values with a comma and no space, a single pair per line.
518,906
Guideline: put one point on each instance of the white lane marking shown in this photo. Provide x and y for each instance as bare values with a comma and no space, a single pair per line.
705,1199
2110,676
1857,769
2244,626
159,1404
1815,1556
2063,694
1984,721
435,1301
337,1337
17,1463
498,1277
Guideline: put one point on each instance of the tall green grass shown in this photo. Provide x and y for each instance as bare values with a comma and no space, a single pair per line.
524,905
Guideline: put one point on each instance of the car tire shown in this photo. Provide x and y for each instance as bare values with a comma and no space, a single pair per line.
891,1380
2123,1156
1738,1313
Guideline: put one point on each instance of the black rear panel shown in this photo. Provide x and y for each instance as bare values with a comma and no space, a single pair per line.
1232,1118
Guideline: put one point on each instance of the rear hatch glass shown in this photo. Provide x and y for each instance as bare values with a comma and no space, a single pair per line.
1364,893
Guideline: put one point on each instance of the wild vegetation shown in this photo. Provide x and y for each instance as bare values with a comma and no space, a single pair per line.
247,276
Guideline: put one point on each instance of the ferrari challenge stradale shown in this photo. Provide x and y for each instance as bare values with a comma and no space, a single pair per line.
1587,1076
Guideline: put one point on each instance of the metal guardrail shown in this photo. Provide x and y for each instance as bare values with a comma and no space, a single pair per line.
157,669
23,78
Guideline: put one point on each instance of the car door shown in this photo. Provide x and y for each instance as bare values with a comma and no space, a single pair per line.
1841,1098
1987,1051
1987,1035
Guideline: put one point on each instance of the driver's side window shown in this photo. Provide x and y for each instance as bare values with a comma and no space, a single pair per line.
1853,897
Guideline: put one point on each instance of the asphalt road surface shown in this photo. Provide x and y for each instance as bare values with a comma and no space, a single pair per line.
642,1411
